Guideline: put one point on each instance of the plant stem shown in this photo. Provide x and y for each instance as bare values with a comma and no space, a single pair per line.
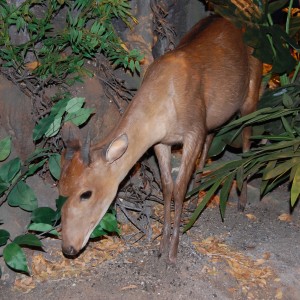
296,72
287,24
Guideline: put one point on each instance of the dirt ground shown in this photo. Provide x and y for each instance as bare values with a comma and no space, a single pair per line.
251,255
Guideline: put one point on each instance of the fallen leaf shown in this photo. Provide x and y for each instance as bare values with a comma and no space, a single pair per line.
251,217
245,270
31,66
279,294
285,217
24,284
260,261
266,255
129,287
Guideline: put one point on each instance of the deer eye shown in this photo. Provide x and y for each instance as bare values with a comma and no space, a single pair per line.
85,196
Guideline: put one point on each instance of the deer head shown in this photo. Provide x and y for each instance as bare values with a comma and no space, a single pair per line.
88,181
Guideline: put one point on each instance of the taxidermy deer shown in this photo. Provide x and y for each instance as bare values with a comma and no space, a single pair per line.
185,95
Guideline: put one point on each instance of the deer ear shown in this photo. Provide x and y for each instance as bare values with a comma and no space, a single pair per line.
116,148
72,139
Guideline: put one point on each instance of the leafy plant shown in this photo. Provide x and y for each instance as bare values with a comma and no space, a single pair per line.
51,53
16,192
276,120
45,221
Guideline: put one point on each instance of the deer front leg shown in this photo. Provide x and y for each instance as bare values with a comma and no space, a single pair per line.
163,154
191,148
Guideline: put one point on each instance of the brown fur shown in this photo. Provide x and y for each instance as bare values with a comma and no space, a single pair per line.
185,95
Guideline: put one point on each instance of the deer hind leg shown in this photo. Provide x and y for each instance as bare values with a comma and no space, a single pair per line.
202,159
248,107
199,168
191,148
163,154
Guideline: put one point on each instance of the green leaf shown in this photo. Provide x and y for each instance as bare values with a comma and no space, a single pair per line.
15,257
74,104
97,232
3,187
225,192
287,100
28,240
109,223
5,148
9,170
4,236
280,169
41,128
202,204
42,227
79,117
34,167
217,146
137,66
276,5
131,65
295,190
54,127
43,215
270,166
287,127
23,196
60,201
59,108
54,165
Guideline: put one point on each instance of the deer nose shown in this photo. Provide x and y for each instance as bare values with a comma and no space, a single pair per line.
69,250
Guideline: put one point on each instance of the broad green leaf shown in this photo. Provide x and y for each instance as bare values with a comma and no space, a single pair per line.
23,196
3,187
34,167
15,257
59,108
38,153
79,117
54,165
28,240
42,227
109,223
4,236
225,192
137,66
60,201
295,190
41,128
9,170
43,215
54,127
5,148
97,232
74,104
